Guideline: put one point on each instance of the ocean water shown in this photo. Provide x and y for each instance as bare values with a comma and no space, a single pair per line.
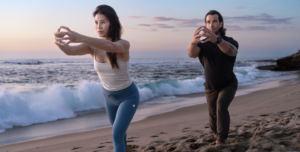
35,91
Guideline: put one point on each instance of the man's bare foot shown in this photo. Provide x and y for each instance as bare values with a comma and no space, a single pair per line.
128,149
219,143
215,136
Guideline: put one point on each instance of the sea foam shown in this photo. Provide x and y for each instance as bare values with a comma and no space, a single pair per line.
56,102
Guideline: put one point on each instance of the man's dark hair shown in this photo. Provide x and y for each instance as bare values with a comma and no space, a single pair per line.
115,29
222,30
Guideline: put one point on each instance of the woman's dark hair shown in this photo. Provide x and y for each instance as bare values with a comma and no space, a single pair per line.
222,30
115,29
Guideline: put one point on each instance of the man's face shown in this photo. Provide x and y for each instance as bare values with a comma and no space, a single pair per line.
212,23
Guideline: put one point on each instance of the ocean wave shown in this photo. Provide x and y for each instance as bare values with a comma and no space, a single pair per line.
47,62
66,63
23,62
245,76
60,102
163,62
252,76
57,102
155,62
156,89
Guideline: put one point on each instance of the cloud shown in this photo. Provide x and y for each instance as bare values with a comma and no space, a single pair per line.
135,17
164,26
128,27
164,19
144,25
233,27
264,18
192,22
249,28
240,7
260,28
152,30
182,22
157,25
234,22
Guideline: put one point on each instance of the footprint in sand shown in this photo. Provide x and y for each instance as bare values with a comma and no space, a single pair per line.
162,133
100,146
133,137
186,129
154,136
76,148
191,140
207,125
264,115
133,146
158,142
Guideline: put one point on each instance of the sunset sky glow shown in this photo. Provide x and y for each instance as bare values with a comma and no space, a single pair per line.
151,26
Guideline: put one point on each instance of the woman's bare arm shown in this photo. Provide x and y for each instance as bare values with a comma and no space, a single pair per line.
121,46
81,49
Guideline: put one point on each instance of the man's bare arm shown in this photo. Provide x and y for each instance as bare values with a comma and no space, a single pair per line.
224,46
228,48
193,49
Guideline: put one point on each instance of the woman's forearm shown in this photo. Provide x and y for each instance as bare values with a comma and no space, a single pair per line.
65,48
97,43
103,44
120,46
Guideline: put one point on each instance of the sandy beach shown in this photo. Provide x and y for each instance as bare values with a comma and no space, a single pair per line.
264,120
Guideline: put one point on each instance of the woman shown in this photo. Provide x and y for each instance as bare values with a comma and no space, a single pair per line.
111,56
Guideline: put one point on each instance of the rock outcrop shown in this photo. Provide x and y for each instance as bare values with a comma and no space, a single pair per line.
288,63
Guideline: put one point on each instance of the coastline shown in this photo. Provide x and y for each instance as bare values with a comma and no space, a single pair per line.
161,125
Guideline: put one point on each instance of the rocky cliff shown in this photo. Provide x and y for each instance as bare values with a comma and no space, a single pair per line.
288,63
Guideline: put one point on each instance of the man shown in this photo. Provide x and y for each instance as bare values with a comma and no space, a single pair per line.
217,53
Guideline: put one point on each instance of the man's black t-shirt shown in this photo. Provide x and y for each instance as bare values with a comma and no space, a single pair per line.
218,65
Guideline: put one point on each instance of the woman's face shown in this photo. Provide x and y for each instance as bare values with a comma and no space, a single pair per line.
101,25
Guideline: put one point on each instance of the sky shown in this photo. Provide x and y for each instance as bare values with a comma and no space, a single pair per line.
155,27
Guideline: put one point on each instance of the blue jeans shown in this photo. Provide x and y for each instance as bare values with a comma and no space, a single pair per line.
121,106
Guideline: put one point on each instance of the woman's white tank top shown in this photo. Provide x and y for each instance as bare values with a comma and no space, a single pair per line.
113,79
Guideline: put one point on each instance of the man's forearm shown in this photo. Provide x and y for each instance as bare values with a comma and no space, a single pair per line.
193,50
228,48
